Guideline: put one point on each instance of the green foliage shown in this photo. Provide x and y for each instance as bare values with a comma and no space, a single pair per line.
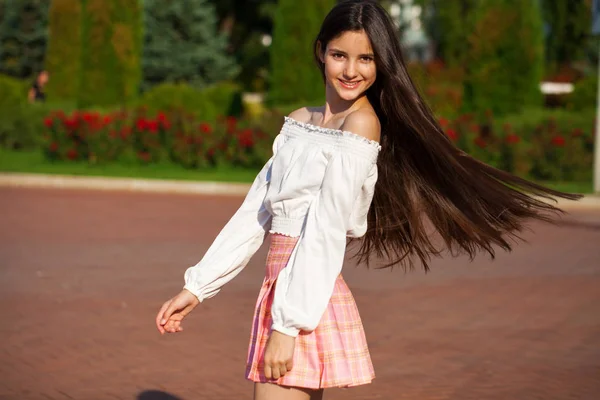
503,74
111,34
23,36
449,27
207,104
295,77
569,23
20,122
63,60
584,95
181,44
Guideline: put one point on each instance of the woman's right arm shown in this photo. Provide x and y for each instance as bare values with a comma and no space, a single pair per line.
237,242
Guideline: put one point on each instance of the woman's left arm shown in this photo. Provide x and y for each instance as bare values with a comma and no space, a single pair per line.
306,284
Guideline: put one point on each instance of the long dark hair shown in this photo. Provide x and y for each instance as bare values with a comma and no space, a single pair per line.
471,205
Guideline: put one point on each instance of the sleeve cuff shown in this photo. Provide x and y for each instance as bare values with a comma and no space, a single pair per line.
195,292
293,332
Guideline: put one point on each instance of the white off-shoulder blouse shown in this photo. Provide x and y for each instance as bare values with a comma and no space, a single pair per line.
317,186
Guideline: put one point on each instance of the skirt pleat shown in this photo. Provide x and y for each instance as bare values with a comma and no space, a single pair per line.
335,354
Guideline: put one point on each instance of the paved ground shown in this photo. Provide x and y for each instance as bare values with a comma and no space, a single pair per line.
82,274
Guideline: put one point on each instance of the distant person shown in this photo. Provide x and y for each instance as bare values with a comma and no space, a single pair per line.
36,93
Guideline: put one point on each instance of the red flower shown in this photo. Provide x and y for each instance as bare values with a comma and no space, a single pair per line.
107,119
48,122
246,139
140,124
152,126
452,134
164,121
443,122
72,154
71,123
480,142
512,139
205,128
558,141
53,146
474,128
231,123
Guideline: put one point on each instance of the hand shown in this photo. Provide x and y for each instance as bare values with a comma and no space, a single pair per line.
174,311
279,354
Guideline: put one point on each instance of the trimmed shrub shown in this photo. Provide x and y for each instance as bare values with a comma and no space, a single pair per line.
294,77
208,104
63,60
20,122
110,58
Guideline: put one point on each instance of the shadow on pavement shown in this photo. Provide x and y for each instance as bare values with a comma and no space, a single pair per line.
156,395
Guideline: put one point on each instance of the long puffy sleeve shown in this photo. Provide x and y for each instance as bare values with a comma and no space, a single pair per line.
305,286
237,242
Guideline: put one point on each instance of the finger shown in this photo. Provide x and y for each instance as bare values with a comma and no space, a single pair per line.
276,373
168,312
159,317
171,326
289,365
282,370
268,373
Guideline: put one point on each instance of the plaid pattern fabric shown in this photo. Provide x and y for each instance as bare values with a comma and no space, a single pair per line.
335,354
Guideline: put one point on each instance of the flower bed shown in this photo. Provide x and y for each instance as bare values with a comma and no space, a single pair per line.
166,136
534,146
545,152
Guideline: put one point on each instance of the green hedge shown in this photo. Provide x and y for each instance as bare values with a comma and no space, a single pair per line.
294,77
110,58
63,59
504,62
220,99
21,123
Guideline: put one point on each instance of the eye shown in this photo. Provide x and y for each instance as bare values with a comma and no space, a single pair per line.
337,56
367,59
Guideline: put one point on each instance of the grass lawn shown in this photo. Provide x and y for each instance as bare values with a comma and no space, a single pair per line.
34,162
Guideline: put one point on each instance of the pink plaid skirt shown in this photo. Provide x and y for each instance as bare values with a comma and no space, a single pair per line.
335,354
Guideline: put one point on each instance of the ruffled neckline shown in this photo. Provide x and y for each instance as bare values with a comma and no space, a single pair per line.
332,131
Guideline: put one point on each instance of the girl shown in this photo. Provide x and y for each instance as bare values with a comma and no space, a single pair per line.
370,164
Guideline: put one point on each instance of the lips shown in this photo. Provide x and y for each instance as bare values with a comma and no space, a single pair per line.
349,84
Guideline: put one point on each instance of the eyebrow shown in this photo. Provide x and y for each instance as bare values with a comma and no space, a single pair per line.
334,50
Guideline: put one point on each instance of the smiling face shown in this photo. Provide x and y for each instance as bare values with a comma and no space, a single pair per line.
349,65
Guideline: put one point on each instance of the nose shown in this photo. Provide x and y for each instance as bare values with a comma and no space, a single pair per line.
350,70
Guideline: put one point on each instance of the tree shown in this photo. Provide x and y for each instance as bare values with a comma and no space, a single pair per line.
63,59
247,23
295,77
23,35
110,55
505,58
568,26
182,44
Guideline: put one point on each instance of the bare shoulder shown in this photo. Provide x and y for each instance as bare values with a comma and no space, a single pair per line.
302,114
364,123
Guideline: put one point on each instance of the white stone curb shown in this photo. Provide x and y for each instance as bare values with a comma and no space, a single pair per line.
122,184
175,186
